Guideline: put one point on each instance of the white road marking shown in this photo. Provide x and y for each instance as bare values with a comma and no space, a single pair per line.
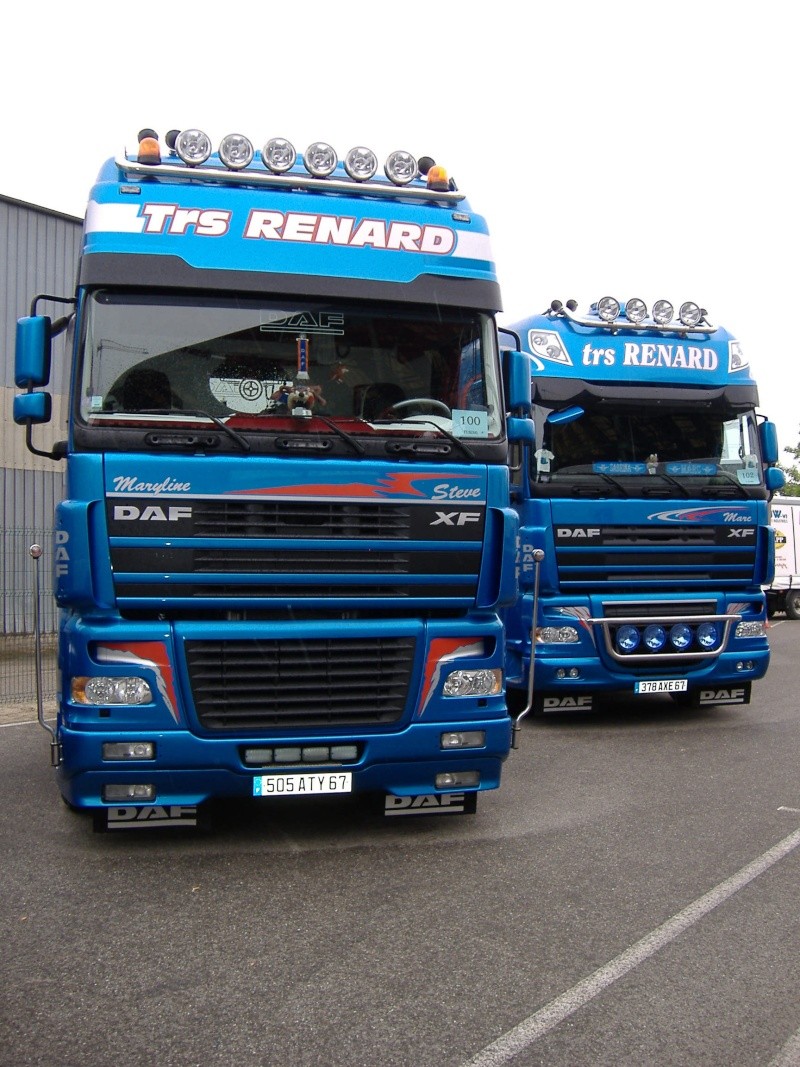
541,1022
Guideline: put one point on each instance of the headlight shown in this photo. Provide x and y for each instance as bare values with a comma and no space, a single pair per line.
751,629
193,147
236,151
556,635
361,163
320,159
278,155
481,683
101,690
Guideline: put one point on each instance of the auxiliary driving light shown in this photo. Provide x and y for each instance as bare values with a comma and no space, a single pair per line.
236,151
320,159
680,636
481,683
401,167
628,638
663,312
635,309
607,308
278,155
707,635
655,637
111,691
690,313
361,163
193,147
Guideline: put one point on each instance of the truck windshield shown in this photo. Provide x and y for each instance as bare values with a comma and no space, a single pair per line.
649,451
258,365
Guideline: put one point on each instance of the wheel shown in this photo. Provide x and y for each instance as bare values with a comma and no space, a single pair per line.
793,604
424,403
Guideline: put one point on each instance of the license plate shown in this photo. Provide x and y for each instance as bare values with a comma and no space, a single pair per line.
301,785
662,685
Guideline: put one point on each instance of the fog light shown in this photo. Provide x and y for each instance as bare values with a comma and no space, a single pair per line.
561,673
473,683
457,779
464,739
102,690
125,750
751,629
744,665
133,791
574,673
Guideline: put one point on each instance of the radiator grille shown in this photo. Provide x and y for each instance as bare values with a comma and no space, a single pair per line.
258,684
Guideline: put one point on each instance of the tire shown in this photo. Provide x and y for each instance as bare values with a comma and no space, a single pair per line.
793,604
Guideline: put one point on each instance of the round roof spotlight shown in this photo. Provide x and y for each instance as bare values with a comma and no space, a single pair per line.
236,151
320,159
627,638
193,147
655,637
690,313
680,636
663,312
607,308
401,167
361,163
278,155
707,634
635,310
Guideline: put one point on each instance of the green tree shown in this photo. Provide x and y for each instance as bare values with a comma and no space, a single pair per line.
792,472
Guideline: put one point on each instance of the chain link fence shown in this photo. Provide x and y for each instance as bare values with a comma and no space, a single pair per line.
21,578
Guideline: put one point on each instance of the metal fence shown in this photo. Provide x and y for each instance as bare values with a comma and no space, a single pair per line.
18,584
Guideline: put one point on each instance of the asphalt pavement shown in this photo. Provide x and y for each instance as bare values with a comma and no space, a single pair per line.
627,897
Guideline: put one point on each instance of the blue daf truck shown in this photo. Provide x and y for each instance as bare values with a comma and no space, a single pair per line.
643,501
286,537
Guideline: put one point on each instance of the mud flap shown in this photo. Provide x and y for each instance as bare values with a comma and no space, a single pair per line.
150,817
731,694
431,804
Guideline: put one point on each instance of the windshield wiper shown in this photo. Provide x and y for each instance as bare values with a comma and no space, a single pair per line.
672,481
237,437
429,422
345,436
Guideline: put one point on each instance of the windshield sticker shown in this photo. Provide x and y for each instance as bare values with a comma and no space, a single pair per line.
750,475
619,468
705,470
470,423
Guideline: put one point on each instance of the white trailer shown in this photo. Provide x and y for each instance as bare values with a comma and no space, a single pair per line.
784,593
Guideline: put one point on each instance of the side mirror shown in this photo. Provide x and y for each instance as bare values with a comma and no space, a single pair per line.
768,434
30,408
519,382
774,479
33,352
521,429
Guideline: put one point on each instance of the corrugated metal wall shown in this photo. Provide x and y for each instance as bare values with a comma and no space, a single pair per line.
39,252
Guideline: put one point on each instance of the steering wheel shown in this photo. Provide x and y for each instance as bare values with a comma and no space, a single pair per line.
425,403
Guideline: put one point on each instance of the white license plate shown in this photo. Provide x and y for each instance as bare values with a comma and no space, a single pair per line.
302,785
662,685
